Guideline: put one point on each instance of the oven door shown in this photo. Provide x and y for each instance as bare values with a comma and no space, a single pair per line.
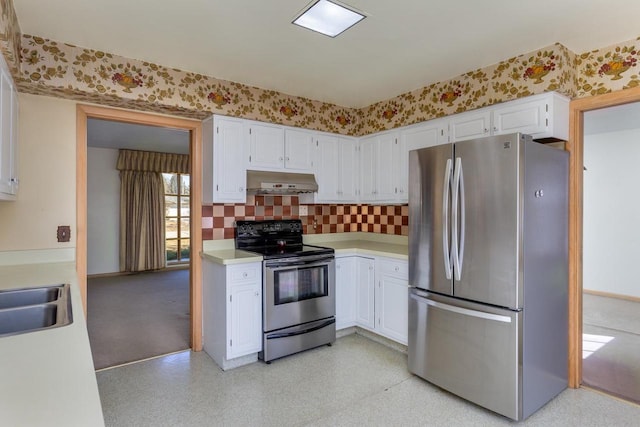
298,290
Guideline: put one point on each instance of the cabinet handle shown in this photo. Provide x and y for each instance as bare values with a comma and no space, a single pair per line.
257,294
495,129
287,159
244,274
281,159
241,189
397,268
486,130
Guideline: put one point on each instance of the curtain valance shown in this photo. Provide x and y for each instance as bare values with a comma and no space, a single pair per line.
151,161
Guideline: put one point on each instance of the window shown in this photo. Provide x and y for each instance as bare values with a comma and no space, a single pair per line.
177,217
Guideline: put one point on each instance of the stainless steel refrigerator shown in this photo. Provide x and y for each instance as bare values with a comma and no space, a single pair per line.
488,270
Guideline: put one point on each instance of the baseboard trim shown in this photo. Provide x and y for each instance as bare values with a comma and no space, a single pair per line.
612,295
129,273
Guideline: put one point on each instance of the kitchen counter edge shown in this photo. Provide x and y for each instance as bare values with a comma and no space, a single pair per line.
51,377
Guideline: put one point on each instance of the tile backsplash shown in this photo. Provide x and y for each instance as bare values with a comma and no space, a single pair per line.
218,219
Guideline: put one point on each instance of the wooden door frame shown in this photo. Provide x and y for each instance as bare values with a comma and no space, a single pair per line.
83,112
575,146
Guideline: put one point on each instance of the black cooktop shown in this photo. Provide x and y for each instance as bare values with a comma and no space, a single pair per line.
275,239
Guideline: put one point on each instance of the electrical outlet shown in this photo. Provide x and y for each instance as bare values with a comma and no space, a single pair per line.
64,233
303,210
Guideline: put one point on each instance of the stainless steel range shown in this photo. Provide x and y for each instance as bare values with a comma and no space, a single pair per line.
298,285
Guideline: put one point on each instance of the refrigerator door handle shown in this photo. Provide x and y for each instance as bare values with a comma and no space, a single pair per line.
457,172
460,250
461,310
446,248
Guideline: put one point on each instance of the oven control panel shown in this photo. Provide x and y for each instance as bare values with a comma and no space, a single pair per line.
272,227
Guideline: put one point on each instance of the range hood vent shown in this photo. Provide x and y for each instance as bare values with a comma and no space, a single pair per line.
259,182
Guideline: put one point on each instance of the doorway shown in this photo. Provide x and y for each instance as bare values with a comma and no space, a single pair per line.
611,296
83,113
576,183
134,311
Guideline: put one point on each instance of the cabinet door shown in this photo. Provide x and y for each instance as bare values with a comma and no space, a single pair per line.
526,117
348,170
266,146
365,293
244,320
346,288
387,167
326,166
413,139
368,165
230,175
298,150
392,310
470,125
6,142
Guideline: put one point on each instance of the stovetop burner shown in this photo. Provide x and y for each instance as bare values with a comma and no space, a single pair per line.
275,239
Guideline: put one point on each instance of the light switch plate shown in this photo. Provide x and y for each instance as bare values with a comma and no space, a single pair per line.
303,210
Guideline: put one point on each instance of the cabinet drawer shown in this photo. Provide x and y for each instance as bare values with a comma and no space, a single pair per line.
244,273
393,267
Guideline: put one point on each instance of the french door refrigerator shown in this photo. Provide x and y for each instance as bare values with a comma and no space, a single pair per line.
488,270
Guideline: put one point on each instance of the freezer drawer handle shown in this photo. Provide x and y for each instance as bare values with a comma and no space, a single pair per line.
463,311
446,249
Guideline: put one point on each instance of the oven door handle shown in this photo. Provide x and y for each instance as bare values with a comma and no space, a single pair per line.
291,263
303,331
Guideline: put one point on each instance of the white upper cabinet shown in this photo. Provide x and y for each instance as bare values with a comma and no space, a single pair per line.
541,116
420,136
349,169
544,116
276,148
8,134
474,124
224,175
266,146
298,150
336,169
379,166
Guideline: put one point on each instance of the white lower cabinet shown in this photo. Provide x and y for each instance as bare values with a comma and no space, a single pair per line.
232,312
365,292
346,279
392,297
373,293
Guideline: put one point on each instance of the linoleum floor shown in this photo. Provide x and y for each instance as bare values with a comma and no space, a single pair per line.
356,382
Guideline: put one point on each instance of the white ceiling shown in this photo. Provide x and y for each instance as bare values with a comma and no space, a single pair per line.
402,45
612,119
115,135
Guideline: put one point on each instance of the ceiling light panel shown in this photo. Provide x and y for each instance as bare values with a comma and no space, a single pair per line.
328,18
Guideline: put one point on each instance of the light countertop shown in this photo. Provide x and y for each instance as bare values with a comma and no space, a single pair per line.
47,377
345,244
230,256
366,247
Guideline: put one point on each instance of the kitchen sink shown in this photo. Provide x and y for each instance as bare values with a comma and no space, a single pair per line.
29,296
34,309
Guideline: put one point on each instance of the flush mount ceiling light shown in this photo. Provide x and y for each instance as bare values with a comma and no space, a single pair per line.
328,18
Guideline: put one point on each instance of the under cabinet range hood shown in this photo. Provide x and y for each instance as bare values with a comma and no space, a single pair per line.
260,182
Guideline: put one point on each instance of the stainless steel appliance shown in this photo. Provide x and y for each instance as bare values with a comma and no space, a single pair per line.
299,305
488,270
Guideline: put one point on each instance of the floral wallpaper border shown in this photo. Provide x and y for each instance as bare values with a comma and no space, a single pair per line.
48,67
10,36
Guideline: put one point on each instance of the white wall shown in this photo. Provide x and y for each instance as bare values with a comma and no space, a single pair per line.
612,212
103,211
47,173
